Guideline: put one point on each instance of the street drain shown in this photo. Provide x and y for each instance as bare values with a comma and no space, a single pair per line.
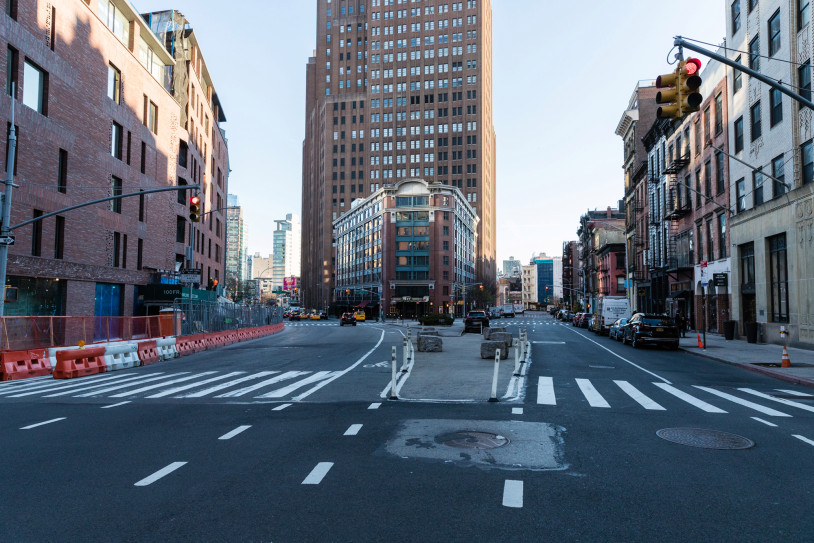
706,439
469,439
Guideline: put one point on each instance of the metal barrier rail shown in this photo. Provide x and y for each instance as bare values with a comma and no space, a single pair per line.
26,333
204,316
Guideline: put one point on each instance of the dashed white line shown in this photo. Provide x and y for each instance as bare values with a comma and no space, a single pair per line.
281,407
513,493
42,423
159,474
766,422
805,439
353,429
115,405
517,410
234,432
318,473
374,405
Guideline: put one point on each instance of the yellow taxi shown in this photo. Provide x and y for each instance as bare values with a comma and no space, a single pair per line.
360,316
314,316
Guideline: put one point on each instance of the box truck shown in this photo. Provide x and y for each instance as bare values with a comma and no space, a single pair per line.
610,308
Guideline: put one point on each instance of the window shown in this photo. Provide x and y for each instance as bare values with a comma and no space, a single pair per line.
11,9
62,172
183,152
116,190
738,129
180,229
779,174
719,114
807,159
700,243
35,88
736,16
11,68
36,235
747,258
774,33
754,115
114,83
752,5
707,179
116,141
141,207
143,166
757,187
737,77
803,13
804,80
722,236
710,254
139,253
754,54
59,238
775,107
706,126
740,195
778,278
150,115
117,248
720,186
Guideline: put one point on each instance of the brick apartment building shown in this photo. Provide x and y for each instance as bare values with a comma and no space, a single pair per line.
103,108
396,91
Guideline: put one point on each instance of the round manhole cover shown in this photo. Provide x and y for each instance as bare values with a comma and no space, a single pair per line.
469,439
706,439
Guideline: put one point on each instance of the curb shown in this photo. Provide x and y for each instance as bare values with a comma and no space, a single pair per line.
757,369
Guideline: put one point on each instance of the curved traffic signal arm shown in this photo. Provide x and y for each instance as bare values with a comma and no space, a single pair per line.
669,96
690,78
195,208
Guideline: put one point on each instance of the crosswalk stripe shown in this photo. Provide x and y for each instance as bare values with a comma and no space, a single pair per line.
261,384
196,384
779,400
146,379
57,383
318,376
795,393
80,387
545,391
594,398
700,404
160,385
18,383
757,407
210,390
638,396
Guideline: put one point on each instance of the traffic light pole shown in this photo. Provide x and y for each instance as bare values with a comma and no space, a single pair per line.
681,42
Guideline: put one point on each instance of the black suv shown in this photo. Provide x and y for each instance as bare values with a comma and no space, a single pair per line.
476,320
347,318
646,329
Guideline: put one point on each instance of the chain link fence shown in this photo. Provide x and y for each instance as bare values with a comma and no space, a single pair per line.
198,316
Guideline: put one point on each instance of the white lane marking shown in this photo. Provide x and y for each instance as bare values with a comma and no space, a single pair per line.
15,383
374,405
339,374
159,474
766,422
160,385
281,407
802,438
234,432
261,384
115,404
545,391
550,342
757,407
210,390
638,396
689,399
779,400
317,474
195,384
594,398
517,410
151,377
285,391
620,357
30,426
352,430
513,493
58,383
83,387
795,393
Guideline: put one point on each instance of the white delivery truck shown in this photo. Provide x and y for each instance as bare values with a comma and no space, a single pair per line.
609,309
519,309
507,311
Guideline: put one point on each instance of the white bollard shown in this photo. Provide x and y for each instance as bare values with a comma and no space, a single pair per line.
516,344
405,355
493,398
393,357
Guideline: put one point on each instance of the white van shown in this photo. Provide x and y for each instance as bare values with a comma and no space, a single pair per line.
611,308
508,310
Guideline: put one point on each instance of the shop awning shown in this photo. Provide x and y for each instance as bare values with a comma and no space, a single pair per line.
362,304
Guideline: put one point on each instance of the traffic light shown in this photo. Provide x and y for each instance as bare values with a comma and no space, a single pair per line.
195,208
680,94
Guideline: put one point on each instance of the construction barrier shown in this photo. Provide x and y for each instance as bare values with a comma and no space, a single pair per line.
79,362
23,364
166,348
148,352
120,356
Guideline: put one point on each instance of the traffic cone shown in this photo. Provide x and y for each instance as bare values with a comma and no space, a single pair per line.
785,362
700,345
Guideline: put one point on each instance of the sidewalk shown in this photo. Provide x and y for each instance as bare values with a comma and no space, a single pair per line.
761,358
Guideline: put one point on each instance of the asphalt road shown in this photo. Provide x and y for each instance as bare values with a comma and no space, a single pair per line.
308,450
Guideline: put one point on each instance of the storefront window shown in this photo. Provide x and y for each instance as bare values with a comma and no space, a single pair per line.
36,297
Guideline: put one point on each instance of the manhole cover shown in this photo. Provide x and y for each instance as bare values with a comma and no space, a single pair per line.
468,439
706,439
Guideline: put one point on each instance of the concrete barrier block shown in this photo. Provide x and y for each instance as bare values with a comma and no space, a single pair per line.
504,337
487,332
429,344
488,349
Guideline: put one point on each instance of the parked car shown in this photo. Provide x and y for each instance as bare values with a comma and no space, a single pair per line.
323,315
575,319
347,318
584,320
617,329
476,320
647,329
294,316
494,313
360,316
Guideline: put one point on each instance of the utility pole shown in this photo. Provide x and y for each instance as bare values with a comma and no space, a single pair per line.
5,231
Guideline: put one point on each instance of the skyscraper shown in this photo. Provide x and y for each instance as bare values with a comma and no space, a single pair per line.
394,91
286,257
235,246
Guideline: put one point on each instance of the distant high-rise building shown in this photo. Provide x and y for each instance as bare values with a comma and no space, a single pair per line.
236,265
396,91
286,260
512,266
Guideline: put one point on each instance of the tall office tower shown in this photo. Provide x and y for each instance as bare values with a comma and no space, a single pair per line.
396,90
235,246
286,257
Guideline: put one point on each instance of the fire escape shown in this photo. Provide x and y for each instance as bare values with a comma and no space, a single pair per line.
678,255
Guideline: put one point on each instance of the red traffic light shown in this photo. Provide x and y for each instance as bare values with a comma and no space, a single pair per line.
692,66
195,200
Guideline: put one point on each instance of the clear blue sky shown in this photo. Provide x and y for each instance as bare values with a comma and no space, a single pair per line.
574,63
